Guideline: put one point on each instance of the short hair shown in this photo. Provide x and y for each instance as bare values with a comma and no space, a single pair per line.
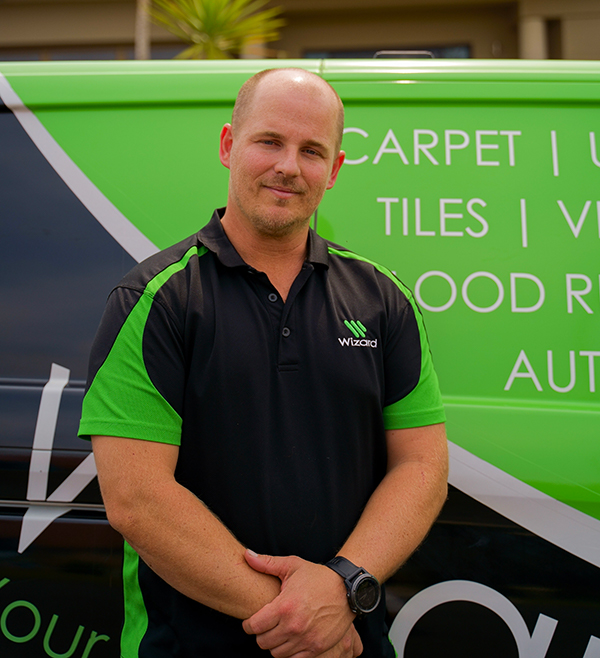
248,89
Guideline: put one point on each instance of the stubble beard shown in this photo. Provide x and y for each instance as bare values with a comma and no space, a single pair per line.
270,223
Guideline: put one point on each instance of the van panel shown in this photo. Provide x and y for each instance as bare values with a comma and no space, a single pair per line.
475,181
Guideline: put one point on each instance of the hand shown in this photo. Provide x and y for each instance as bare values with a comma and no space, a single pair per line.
349,646
310,616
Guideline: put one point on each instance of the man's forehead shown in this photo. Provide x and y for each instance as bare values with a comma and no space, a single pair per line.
284,94
275,87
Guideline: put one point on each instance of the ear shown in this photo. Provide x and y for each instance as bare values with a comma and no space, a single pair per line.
225,145
337,163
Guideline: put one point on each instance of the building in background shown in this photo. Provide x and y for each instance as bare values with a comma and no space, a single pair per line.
531,29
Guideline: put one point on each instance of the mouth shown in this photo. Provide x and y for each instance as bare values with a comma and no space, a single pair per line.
282,191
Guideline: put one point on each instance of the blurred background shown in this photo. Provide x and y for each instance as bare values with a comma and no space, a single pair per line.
124,29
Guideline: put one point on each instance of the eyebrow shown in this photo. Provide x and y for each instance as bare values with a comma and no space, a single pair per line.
309,142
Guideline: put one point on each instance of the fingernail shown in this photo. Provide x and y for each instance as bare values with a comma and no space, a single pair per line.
252,553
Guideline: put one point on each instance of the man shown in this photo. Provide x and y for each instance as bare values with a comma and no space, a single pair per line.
242,441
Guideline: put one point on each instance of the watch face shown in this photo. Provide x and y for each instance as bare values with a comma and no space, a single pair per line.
366,594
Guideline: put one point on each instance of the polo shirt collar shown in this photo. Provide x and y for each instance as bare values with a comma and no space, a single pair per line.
214,238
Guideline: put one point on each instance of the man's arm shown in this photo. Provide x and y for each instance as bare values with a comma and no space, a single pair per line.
394,522
404,506
178,537
172,530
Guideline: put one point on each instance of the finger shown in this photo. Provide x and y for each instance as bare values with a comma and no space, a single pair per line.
285,650
357,645
269,564
281,652
278,649
264,620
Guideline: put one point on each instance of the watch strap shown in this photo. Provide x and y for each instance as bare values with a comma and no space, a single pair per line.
343,567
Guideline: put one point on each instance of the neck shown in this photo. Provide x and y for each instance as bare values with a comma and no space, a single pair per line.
279,257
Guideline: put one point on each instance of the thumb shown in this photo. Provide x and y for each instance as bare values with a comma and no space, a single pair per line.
281,567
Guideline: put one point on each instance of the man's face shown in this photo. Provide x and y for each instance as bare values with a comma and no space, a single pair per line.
282,156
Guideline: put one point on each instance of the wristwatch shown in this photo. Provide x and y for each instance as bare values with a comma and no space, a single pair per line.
363,589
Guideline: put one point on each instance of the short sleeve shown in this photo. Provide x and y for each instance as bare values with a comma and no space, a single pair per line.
408,358
123,399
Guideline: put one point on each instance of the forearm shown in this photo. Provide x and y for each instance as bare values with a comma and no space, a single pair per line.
175,534
193,551
401,510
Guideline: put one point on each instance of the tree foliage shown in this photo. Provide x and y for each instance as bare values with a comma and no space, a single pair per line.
218,29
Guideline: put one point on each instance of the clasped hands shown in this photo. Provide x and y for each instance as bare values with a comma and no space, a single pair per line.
310,617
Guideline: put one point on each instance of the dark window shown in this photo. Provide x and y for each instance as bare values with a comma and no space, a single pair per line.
443,52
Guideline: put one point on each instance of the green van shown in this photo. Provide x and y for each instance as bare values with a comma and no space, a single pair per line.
477,182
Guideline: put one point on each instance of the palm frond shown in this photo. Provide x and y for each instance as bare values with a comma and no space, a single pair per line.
218,29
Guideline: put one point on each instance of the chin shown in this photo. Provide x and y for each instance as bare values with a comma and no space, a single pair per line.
278,226
273,222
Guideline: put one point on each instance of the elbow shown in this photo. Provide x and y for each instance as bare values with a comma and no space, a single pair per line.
120,515
124,509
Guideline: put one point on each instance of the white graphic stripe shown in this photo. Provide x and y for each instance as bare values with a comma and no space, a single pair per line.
593,648
543,515
38,517
76,482
45,428
108,215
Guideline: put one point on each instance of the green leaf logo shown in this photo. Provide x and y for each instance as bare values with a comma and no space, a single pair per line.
356,327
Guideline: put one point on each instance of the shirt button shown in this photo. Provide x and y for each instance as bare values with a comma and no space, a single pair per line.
285,332
272,297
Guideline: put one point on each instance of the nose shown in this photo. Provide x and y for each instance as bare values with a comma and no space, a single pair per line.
288,163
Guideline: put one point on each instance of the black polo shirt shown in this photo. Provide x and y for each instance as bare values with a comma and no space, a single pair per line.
279,409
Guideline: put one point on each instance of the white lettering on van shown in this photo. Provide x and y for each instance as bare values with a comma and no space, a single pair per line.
464,292
531,646
478,217
396,148
523,369
511,134
515,286
444,215
363,133
482,309
534,645
575,228
449,146
388,212
480,147
424,148
578,287
524,223
578,294
554,146
591,355
593,149
418,230
572,375
426,142
429,307
529,373
514,307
